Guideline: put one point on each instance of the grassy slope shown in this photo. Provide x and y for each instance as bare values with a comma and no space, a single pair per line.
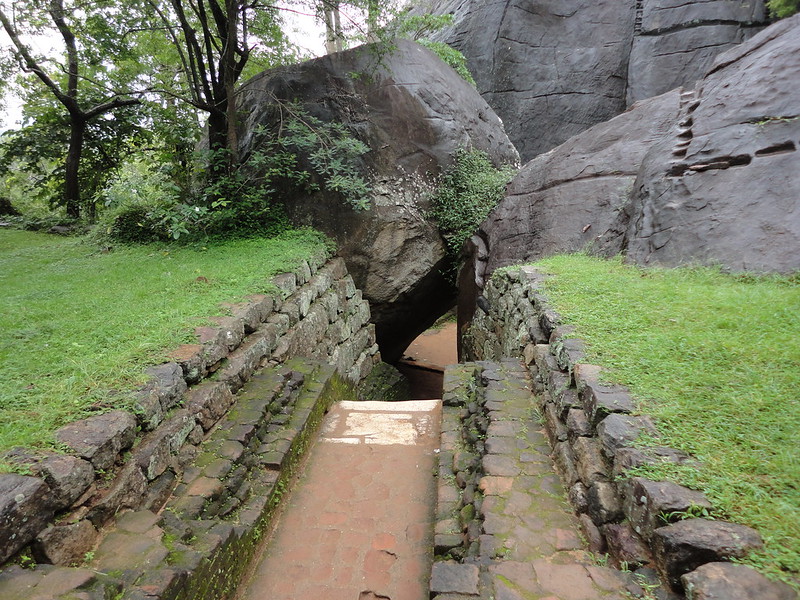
716,360
75,323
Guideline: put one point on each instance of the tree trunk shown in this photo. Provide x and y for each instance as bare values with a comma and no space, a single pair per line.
72,186
333,26
228,68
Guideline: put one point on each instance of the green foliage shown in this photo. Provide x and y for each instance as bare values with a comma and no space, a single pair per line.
464,196
80,325
332,154
419,28
783,8
452,57
33,157
713,358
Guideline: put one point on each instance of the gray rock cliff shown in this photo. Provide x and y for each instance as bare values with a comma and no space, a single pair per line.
553,68
709,176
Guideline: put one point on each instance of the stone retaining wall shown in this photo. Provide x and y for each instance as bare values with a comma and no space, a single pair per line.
191,443
591,425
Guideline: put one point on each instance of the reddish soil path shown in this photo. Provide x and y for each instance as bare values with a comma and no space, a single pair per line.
424,361
359,523
435,347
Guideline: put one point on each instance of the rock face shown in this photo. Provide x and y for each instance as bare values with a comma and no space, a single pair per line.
707,176
413,112
674,41
553,68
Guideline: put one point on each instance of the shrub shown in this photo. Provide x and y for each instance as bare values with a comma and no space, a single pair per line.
783,8
464,196
452,57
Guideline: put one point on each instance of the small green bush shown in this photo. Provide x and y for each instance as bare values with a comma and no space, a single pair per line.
464,196
452,57
783,8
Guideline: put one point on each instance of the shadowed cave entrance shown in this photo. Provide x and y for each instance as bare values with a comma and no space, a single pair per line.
424,360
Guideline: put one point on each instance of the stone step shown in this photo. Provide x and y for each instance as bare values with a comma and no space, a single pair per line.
504,527
195,541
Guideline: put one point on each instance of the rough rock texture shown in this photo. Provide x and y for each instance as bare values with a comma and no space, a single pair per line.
724,185
707,176
553,68
683,546
728,581
99,439
25,508
413,111
676,41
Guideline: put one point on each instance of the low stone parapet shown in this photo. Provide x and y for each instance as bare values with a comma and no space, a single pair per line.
592,427
135,459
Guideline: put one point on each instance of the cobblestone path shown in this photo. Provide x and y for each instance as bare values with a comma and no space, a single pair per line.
359,523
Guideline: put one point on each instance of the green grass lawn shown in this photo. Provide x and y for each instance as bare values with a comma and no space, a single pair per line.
715,359
78,326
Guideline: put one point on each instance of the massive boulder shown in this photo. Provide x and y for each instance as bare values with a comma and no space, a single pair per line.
709,176
414,112
675,42
553,68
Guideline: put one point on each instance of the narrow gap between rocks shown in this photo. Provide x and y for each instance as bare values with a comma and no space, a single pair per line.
424,360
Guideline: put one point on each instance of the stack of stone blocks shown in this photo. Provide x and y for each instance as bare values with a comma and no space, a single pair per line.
152,502
592,426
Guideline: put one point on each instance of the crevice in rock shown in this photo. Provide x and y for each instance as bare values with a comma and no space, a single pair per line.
695,24
777,149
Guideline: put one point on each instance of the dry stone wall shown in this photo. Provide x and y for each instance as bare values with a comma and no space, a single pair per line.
155,501
592,426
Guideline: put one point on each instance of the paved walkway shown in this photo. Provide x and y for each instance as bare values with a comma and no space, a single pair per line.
359,523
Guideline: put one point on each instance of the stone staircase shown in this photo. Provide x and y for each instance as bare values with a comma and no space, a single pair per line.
504,527
200,533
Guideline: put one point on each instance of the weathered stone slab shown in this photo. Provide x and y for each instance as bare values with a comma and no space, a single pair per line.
577,424
556,430
626,545
603,502
451,577
591,465
101,438
25,509
683,546
628,458
66,544
647,503
127,491
208,402
191,359
618,430
67,476
565,463
730,581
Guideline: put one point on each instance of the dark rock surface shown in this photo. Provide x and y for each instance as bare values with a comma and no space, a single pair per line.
100,439
413,112
552,69
25,509
683,546
708,176
729,581
723,187
676,41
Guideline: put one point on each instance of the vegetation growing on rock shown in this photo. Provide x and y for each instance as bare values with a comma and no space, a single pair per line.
465,195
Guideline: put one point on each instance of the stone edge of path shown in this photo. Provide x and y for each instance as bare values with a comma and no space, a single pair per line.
219,511
643,524
59,511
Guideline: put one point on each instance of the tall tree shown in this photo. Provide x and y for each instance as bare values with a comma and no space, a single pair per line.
214,41
84,80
